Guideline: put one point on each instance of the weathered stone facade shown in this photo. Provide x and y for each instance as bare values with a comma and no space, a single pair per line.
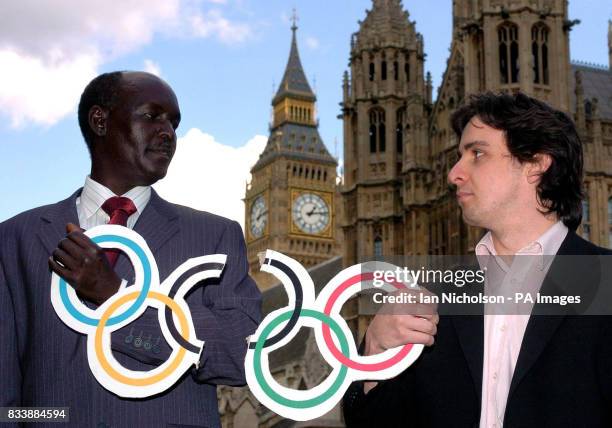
398,149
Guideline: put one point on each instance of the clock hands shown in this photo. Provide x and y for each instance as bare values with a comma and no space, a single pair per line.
314,211
259,216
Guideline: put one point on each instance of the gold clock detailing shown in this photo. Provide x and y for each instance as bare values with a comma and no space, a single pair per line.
311,213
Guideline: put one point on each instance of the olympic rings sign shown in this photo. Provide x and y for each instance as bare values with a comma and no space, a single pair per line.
128,304
333,338
277,329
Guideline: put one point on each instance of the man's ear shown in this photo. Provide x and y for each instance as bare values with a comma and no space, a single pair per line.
98,120
540,164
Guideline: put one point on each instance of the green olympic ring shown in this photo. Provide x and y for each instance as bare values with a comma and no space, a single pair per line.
300,404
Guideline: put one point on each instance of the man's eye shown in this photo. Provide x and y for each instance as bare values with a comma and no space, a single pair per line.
477,153
148,116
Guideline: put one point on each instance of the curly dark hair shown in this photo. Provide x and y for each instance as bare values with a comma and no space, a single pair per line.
101,91
533,127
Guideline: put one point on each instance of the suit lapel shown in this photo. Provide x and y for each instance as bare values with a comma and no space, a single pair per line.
54,221
157,224
470,331
541,328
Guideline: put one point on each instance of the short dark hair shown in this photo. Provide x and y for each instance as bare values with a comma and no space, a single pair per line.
533,127
101,91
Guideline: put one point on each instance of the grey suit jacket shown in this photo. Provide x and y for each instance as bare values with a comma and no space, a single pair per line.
44,363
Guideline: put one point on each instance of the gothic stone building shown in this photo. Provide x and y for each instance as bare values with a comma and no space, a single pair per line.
398,149
399,146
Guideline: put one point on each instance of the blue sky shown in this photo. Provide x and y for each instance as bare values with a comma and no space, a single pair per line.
222,58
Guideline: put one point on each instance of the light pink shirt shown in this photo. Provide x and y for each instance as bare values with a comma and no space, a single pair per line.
503,332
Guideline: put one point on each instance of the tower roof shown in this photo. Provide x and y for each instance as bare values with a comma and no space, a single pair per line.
386,15
294,83
386,24
297,142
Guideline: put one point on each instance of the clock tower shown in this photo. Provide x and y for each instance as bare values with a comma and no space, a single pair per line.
290,203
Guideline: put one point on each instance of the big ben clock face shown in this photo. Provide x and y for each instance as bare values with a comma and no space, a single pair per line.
259,217
310,213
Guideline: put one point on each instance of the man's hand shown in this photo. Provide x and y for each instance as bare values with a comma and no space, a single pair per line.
397,324
84,266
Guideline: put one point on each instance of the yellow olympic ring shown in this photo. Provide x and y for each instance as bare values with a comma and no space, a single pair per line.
151,379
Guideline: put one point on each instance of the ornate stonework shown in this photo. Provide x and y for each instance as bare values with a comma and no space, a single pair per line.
398,149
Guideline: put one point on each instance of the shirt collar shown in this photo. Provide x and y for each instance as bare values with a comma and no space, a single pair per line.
547,244
95,194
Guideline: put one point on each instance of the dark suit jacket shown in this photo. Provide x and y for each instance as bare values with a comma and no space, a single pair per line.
44,363
563,376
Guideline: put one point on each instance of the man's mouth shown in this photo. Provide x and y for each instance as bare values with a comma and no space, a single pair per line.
462,195
162,151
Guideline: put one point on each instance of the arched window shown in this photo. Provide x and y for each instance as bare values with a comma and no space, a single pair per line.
383,70
588,108
378,247
377,130
407,70
399,129
372,138
371,71
586,221
508,53
395,70
539,50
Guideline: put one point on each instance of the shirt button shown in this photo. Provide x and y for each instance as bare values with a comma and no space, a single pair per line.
494,376
503,328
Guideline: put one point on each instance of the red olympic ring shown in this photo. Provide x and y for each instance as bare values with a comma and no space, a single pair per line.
369,367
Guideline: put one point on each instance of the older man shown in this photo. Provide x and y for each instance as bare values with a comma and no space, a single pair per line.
129,121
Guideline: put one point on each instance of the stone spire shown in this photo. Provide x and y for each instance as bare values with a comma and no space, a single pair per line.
294,81
294,129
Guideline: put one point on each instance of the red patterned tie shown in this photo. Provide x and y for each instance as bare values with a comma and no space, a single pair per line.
119,209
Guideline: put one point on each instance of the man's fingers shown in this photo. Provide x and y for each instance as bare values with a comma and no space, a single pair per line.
60,270
421,325
64,259
82,240
71,227
414,337
71,248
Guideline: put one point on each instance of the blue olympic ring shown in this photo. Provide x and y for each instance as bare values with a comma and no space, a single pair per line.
144,261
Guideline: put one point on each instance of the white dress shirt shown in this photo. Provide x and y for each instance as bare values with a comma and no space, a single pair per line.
504,330
93,196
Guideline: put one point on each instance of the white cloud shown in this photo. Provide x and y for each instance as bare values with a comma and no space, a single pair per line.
47,63
210,176
312,43
152,67
213,22
32,90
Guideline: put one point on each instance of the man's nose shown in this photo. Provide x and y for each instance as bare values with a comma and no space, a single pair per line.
457,174
167,132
